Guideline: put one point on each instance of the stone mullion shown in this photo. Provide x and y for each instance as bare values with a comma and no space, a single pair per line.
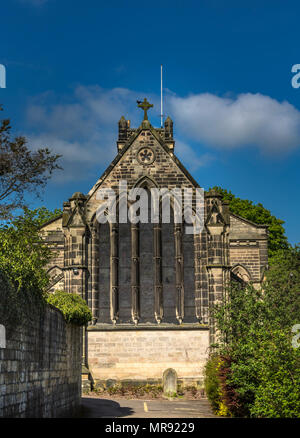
89,270
78,281
204,278
211,302
83,263
158,294
69,238
95,274
179,273
226,261
135,273
197,262
215,276
114,277
67,260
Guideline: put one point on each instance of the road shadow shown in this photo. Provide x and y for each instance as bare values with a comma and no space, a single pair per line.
102,408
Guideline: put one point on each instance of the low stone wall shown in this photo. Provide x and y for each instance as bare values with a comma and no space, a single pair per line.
143,355
40,368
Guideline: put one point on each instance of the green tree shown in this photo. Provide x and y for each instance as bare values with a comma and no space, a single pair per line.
260,373
23,256
260,215
23,253
21,170
282,288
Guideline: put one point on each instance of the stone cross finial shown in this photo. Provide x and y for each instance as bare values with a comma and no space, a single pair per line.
145,106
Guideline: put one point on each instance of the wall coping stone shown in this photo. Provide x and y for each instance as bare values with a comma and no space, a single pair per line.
142,327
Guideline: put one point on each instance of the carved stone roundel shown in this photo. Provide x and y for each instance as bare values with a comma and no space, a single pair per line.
146,156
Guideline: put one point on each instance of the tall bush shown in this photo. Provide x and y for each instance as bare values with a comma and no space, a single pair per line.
260,373
23,253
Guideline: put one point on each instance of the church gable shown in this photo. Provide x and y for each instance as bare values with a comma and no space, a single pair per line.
241,228
52,225
145,152
147,157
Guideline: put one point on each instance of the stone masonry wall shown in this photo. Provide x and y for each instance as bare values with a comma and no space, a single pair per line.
40,368
142,355
248,257
248,246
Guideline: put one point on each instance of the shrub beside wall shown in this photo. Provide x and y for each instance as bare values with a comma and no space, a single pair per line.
73,307
255,371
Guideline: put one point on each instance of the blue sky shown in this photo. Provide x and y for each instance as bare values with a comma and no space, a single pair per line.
73,68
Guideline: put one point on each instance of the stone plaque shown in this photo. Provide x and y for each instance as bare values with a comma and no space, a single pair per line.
170,381
2,336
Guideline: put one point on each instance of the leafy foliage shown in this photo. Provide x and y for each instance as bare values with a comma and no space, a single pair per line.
277,394
73,307
23,253
18,305
212,382
230,400
9,309
260,215
23,256
21,170
260,374
282,287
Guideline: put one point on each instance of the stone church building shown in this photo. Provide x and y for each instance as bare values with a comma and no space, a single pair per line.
150,285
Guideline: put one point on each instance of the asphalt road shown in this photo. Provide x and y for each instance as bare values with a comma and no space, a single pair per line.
96,407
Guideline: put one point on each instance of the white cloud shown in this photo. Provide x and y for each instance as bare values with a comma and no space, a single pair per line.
77,157
250,119
83,127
